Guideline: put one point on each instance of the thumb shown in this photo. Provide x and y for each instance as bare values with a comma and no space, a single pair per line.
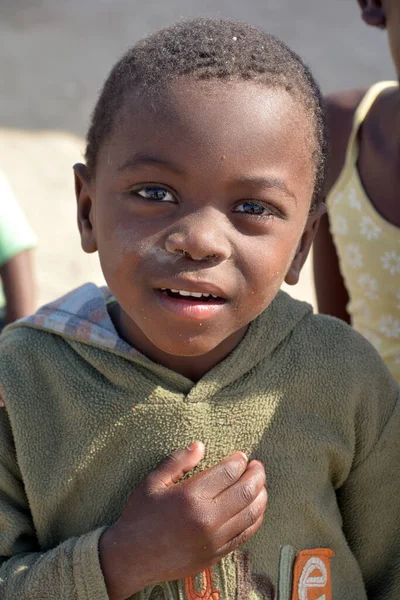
173,468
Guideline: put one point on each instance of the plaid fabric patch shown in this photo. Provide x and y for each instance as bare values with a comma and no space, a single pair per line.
82,315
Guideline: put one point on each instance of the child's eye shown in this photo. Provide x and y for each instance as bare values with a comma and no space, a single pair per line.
155,193
253,207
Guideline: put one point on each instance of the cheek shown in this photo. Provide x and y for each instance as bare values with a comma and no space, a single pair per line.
265,268
269,260
118,247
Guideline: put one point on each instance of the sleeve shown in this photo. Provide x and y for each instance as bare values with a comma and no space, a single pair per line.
71,571
370,505
16,234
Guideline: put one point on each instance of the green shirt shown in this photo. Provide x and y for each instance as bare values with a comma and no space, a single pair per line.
84,417
16,234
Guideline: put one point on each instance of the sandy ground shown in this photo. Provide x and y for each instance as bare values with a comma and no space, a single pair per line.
45,191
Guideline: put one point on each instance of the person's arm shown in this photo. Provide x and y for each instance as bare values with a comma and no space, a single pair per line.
71,571
18,286
331,292
166,531
369,502
16,241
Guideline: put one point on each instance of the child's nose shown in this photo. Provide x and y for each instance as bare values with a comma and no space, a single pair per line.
199,239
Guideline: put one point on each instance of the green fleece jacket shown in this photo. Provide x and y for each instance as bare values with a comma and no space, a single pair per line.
84,417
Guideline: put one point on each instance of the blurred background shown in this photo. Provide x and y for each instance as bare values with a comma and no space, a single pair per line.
55,55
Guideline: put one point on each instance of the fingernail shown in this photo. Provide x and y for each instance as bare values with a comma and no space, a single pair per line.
193,446
245,456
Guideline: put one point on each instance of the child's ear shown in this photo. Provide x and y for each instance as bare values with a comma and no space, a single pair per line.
373,13
83,192
311,228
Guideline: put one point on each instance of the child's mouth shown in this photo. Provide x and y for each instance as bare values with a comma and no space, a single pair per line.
192,296
190,306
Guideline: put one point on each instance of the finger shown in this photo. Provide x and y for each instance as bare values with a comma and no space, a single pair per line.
244,491
210,483
173,468
243,527
243,520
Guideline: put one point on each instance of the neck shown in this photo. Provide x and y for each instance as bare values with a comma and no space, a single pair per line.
191,367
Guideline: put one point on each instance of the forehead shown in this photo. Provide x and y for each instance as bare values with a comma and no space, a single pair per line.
245,125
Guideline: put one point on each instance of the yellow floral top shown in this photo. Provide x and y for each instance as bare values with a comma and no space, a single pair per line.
368,247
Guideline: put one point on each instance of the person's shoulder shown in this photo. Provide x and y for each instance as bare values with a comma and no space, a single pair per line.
342,350
346,371
22,340
345,101
340,110
325,328
18,334
355,379
22,345
31,361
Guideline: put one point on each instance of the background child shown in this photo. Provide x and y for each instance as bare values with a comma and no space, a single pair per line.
357,249
17,296
200,200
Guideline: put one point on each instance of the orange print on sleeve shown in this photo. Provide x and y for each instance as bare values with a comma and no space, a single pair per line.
312,575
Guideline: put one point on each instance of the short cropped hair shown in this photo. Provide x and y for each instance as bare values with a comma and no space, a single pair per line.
210,49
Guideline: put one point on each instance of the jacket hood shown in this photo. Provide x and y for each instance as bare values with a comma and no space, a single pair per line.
82,316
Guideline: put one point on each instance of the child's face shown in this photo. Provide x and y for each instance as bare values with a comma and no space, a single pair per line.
207,190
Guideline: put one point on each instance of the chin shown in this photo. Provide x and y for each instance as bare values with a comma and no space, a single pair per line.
187,347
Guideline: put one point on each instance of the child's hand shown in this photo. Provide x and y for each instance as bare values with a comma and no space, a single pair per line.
171,530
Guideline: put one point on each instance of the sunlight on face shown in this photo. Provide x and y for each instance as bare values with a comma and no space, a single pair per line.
199,206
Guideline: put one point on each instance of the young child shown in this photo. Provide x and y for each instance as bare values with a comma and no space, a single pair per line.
357,250
17,288
201,193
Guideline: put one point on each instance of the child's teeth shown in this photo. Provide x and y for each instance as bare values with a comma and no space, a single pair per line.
194,294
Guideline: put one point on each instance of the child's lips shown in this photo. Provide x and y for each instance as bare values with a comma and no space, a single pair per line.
189,307
187,295
189,288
